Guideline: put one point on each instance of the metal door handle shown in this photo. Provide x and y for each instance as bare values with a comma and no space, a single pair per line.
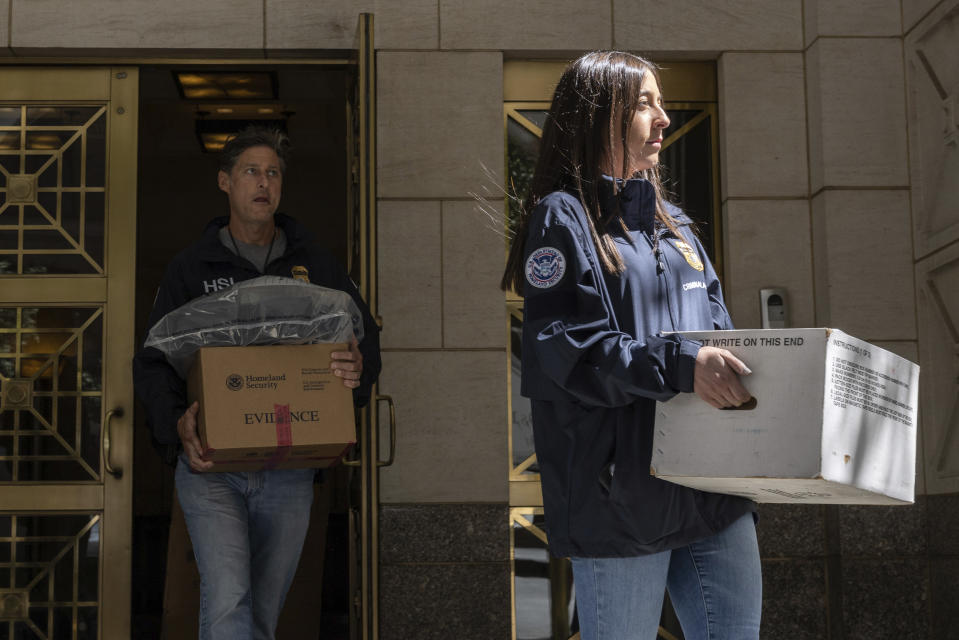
388,461
392,408
116,472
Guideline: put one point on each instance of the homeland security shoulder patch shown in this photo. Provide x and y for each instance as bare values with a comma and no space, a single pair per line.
545,267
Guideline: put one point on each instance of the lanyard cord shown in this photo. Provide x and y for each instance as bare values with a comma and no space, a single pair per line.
268,251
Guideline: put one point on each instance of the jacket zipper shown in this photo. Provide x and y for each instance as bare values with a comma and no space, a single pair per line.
662,270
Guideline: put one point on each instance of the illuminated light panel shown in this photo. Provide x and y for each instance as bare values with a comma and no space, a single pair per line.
219,85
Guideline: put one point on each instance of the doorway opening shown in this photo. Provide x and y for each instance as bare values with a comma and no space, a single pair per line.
176,198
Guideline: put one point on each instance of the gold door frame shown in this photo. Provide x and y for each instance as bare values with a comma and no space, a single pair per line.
109,288
365,593
363,250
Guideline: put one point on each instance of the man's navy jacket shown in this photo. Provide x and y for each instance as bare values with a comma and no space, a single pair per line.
595,362
208,266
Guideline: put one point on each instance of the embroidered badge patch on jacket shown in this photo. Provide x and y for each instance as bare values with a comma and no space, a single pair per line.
300,273
545,267
690,254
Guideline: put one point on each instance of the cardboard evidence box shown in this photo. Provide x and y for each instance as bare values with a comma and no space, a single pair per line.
834,421
271,407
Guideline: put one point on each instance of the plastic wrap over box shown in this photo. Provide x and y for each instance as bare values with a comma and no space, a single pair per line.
260,311
256,356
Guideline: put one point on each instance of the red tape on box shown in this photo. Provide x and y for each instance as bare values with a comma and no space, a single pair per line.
284,431
284,436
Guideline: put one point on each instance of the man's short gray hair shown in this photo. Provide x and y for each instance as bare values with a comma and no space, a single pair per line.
254,136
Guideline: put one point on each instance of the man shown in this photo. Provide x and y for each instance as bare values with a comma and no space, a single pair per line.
247,528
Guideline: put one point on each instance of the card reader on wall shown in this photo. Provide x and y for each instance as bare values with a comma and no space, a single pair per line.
773,308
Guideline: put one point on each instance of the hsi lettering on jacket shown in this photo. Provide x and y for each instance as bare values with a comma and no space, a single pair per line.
209,286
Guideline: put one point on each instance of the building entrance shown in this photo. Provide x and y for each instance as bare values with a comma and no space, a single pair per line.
80,548
186,113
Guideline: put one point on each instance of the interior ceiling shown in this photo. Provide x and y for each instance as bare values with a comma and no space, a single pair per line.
307,92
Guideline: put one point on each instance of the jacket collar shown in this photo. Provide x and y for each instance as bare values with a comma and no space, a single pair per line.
635,200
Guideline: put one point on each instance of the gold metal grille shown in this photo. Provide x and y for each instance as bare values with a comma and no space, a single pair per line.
50,393
49,566
52,189
67,242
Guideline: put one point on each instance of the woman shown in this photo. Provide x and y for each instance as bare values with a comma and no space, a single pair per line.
606,265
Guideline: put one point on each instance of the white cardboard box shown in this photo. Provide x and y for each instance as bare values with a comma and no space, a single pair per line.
834,422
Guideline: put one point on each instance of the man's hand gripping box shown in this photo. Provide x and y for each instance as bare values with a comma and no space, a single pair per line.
833,421
271,407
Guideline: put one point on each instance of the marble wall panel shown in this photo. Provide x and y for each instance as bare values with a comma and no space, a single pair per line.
914,10
887,598
137,24
439,122
4,25
857,117
794,599
937,281
883,531
762,116
303,24
943,516
944,582
421,533
451,426
575,25
443,601
790,530
814,117
474,252
411,24
933,100
768,245
863,260
409,266
704,26
306,24
851,18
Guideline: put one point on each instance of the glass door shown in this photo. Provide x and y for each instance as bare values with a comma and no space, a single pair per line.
67,222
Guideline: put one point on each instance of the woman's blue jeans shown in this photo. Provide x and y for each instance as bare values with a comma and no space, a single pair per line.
247,531
715,585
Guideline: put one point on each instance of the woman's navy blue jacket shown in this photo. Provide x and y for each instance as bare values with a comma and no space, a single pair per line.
208,266
595,362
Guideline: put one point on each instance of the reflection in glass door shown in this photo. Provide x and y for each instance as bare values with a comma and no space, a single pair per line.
67,214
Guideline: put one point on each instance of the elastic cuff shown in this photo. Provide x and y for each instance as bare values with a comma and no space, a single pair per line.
688,350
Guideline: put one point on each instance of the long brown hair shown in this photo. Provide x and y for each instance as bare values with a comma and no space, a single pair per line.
580,129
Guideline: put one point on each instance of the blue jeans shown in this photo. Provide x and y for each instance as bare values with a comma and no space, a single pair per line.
715,585
247,531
